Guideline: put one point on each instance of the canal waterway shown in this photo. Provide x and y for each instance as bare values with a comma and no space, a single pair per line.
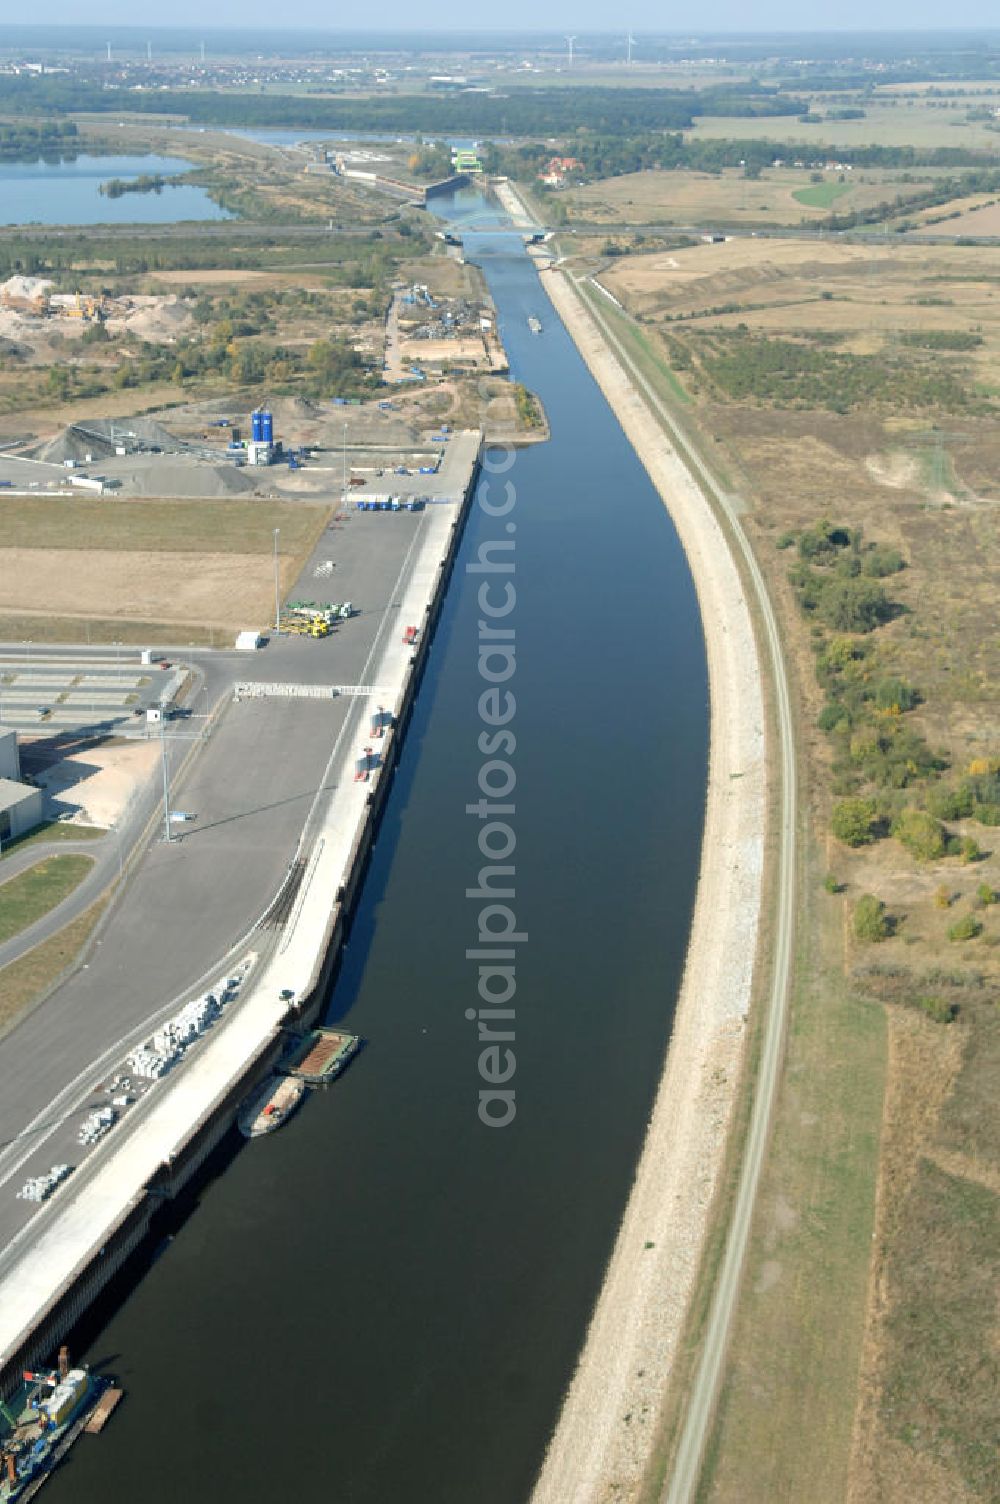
385,1300
67,192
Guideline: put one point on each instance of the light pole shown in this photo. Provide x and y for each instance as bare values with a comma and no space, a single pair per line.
345,461
277,585
166,780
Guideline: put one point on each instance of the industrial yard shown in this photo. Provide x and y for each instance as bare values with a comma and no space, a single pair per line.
163,527
233,839
259,855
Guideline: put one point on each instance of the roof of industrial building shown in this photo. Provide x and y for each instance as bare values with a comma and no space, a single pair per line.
12,794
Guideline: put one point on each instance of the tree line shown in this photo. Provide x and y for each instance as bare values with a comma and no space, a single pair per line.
519,111
26,143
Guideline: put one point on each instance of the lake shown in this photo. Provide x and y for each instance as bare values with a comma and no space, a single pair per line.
67,193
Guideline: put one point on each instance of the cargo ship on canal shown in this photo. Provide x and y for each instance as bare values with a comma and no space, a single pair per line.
271,1106
316,1059
46,1416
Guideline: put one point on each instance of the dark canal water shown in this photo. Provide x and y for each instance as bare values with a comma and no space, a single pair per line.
385,1300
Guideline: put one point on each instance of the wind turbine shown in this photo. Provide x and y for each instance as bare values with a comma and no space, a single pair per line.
629,43
569,43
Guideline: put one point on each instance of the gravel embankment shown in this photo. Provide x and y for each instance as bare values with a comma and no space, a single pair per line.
607,1427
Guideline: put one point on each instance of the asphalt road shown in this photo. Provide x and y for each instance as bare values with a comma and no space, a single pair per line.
252,786
111,852
681,1487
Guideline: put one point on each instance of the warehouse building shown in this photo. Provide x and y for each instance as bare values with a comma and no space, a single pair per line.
21,806
20,809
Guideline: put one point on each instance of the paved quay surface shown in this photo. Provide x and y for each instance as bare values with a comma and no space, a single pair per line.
271,765
78,1218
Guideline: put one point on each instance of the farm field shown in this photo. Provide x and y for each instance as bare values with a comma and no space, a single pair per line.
821,195
850,389
780,196
908,123
982,218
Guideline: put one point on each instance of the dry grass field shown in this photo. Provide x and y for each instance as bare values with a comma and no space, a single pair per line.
163,564
869,298
730,198
976,219
907,123
875,1250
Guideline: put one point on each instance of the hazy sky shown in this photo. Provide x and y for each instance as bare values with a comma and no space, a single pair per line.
721,15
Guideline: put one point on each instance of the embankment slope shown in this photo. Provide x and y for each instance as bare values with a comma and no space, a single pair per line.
607,1428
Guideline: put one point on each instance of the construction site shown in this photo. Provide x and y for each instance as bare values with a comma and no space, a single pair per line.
31,310
422,330
215,450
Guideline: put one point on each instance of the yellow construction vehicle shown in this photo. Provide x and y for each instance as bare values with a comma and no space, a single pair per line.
298,626
85,307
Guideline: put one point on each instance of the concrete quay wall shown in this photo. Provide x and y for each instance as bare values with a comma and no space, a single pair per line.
97,1230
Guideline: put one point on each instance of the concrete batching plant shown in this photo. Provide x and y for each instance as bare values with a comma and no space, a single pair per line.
261,448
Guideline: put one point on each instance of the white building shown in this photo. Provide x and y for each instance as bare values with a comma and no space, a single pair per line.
10,761
20,809
21,805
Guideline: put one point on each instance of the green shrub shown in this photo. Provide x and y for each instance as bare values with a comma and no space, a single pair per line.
870,921
966,928
986,894
949,804
895,694
937,1008
922,835
852,605
832,715
879,562
831,884
853,820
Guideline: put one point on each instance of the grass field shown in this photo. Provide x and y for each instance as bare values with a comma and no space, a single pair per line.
228,525
126,569
34,893
918,1191
821,195
977,219
797,1344
909,123
24,981
866,299
51,831
780,196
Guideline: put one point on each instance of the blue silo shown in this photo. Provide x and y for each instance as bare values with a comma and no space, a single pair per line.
256,427
267,426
